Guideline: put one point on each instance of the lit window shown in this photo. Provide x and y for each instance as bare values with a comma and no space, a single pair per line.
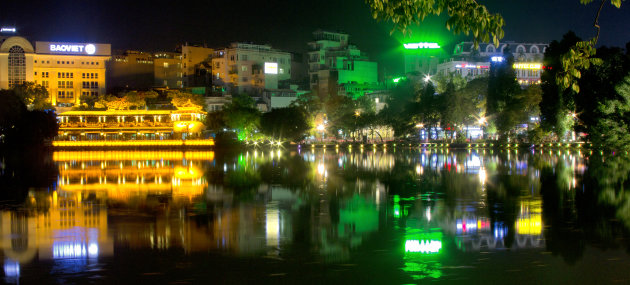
166,65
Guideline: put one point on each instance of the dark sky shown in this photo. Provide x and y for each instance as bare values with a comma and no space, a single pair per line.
287,24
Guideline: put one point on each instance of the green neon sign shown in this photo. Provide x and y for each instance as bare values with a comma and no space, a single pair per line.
421,46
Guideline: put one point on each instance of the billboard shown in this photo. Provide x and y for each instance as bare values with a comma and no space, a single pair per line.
72,48
271,68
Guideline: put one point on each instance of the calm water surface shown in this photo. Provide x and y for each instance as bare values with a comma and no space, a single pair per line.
302,216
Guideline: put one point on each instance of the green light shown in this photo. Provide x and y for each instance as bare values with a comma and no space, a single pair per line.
396,80
422,46
423,246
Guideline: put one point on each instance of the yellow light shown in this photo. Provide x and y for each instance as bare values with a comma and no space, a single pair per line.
527,66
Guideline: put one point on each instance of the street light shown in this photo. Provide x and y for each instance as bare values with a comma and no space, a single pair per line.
321,128
427,78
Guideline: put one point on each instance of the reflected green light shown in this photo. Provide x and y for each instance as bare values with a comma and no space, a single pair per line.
423,246
421,46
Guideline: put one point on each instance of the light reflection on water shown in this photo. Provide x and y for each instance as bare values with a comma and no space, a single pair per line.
438,207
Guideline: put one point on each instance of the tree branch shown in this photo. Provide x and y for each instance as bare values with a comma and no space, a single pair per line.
596,23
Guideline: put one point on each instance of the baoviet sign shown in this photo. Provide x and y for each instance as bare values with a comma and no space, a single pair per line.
72,48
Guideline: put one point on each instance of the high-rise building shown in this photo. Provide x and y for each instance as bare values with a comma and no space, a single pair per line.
67,70
249,68
333,62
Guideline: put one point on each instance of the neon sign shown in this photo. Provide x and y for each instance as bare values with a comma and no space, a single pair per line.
88,49
421,46
527,66
7,30
497,59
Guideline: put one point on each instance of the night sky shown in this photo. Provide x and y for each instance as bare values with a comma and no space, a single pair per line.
288,24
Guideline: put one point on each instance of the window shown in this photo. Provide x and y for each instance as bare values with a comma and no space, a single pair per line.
45,84
166,65
61,94
83,75
35,73
35,61
86,84
69,94
17,66
243,68
69,84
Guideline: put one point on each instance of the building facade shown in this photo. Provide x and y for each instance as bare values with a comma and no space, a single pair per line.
249,68
333,61
66,70
471,63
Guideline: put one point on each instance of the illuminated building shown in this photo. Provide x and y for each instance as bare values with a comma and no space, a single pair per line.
196,66
249,68
333,62
130,124
422,57
67,70
471,63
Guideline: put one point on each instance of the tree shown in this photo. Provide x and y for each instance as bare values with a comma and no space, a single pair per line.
33,95
135,100
285,123
502,105
464,16
612,130
557,102
116,103
241,116
183,99
401,109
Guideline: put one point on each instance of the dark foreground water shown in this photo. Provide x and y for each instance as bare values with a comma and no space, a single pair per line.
302,216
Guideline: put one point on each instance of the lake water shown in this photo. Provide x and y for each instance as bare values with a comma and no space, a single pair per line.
395,216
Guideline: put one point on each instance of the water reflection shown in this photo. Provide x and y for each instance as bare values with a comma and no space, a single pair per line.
420,214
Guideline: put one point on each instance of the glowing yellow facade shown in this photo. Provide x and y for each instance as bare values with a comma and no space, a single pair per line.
66,70
156,125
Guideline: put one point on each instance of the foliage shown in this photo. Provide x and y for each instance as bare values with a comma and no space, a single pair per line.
465,16
556,102
241,116
613,127
401,109
185,100
579,57
502,104
18,126
285,123
442,81
33,95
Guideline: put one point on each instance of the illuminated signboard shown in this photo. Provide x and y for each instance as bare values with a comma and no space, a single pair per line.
527,66
423,246
7,30
497,59
72,48
271,68
421,46
466,65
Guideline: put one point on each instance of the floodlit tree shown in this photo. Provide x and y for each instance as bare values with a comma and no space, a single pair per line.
184,99
464,16
35,96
